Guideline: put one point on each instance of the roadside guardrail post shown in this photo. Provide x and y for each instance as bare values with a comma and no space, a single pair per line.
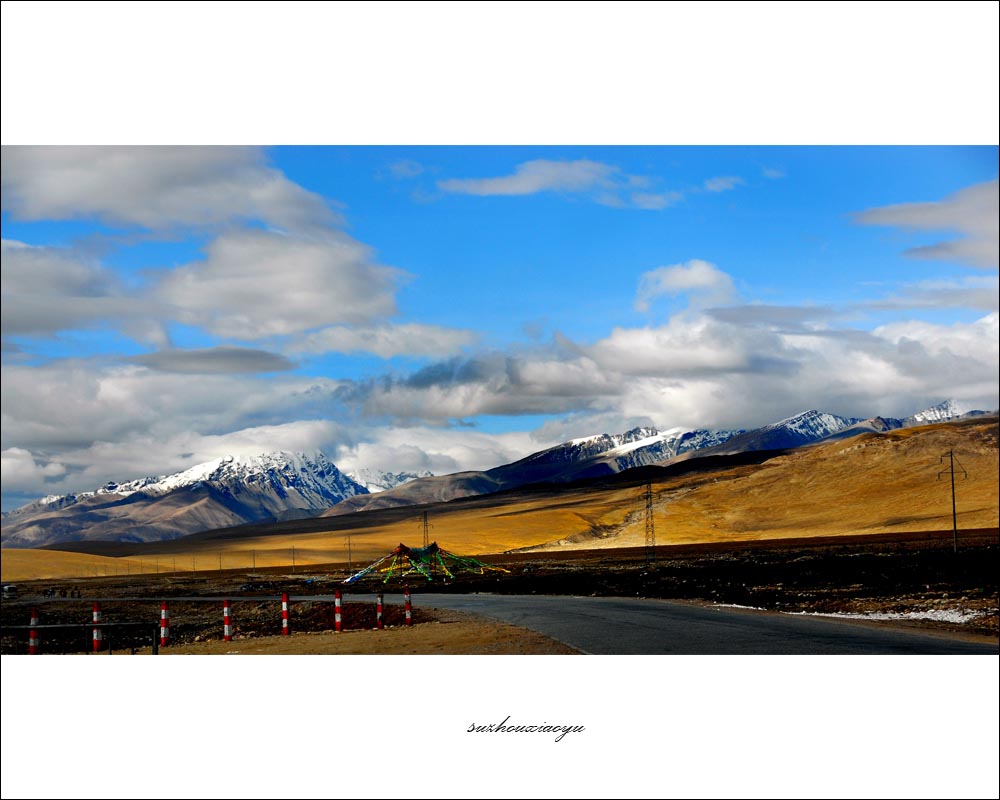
164,624
33,649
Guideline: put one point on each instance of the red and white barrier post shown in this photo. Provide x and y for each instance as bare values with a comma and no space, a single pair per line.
164,624
337,619
284,615
408,606
379,623
33,634
227,621
98,635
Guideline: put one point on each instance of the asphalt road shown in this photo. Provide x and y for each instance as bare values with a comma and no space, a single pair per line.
623,626
626,626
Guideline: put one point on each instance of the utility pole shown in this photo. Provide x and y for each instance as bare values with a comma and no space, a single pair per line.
427,536
952,461
293,560
253,561
350,568
650,529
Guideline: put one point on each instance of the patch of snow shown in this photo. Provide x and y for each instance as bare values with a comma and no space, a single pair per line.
957,615
665,436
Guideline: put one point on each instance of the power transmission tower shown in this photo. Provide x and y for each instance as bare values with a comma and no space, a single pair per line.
952,461
650,529
427,537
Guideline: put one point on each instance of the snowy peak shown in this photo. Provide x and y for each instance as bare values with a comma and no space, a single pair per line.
312,471
813,424
592,446
949,409
377,480
226,491
310,479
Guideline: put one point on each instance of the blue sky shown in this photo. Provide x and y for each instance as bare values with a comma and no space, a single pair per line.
449,308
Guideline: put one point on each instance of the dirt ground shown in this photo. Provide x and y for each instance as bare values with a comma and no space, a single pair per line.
450,633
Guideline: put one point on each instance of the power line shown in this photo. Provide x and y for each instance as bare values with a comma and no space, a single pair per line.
952,461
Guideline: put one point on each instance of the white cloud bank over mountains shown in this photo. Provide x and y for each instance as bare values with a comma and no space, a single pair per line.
280,280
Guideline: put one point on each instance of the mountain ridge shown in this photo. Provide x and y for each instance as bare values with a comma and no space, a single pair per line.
236,490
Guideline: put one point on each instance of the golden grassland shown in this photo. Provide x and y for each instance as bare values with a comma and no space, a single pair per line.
872,483
23,565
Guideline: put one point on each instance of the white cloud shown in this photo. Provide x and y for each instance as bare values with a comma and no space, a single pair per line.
771,173
980,293
653,201
298,275
50,289
700,370
253,284
540,175
696,371
214,361
72,404
696,279
19,471
978,341
689,346
723,183
440,450
155,187
973,212
602,183
405,169
386,341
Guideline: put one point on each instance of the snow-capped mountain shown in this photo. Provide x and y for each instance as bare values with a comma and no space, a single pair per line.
377,480
605,454
588,457
801,429
616,452
812,425
942,412
236,490
231,490
949,409
663,446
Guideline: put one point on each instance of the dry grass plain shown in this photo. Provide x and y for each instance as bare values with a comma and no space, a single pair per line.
872,483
